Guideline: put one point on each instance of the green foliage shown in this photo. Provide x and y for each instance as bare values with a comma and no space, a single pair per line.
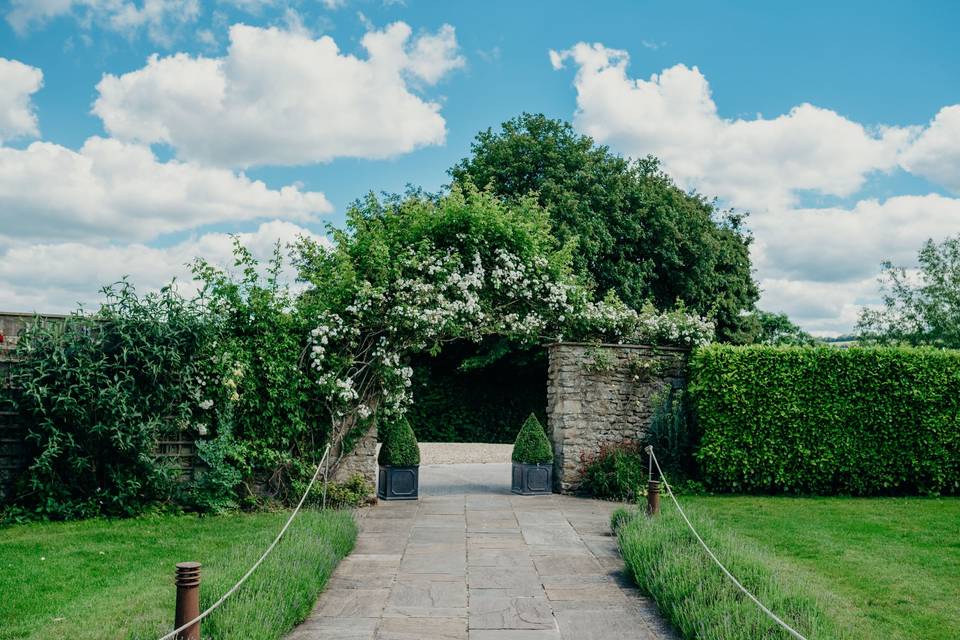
261,333
921,308
670,436
345,495
223,368
98,391
615,472
456,401
399,448
822,420
532,445
620,517
637,234
775,329
667,563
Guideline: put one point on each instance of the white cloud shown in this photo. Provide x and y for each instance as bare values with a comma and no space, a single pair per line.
819,265
121,191
282,98
160,18
836,244
54,277
18,82
935,154
758,163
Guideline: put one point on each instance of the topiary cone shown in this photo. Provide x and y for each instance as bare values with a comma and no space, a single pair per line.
399,448
532,445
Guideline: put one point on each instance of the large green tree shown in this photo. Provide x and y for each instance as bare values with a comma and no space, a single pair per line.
638,234
921,307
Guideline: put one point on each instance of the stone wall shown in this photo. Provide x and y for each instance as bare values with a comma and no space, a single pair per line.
603,394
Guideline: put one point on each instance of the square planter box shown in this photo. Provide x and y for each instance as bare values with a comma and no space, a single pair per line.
398,483
532,479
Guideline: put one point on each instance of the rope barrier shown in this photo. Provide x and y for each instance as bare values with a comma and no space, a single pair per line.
256,564
793,632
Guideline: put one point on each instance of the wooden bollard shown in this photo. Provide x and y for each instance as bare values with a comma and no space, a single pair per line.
188,599
653,497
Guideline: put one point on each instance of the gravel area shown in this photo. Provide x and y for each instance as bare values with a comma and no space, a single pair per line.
463,453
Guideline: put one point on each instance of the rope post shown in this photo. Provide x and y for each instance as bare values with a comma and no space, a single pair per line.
653,486
188,600
653,497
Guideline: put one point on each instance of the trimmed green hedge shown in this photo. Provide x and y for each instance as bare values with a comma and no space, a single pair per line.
823,420
532,445
399,448
483,404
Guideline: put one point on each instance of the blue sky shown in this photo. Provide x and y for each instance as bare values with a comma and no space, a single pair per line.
864,173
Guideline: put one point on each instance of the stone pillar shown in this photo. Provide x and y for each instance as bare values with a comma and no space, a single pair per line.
361,460
603,394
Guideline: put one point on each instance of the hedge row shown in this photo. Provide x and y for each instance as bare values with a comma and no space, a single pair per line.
486,404
859,421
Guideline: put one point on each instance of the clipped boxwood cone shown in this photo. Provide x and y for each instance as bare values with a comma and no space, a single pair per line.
532,460
399,460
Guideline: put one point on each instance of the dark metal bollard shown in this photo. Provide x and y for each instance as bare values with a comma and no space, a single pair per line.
653,497
188,599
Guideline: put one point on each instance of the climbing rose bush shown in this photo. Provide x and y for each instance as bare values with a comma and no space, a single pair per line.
409,275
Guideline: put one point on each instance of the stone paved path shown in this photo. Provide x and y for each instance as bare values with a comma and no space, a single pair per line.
470,561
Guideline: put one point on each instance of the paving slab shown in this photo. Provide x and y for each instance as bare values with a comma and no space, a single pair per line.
471,561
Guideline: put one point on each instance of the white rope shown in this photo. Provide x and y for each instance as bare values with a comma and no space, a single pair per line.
663,478
256,564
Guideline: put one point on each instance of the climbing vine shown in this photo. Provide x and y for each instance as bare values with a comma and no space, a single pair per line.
413,274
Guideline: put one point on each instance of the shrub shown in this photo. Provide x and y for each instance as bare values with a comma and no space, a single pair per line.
861,421
96,394
620,517
532,445
667,563
670,436
223,368
399,448
342,495
616,472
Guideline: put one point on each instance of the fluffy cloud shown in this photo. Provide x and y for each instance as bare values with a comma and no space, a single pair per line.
837,244
18,82
120,191
160,18
54,277
821,265
759,163
817,264
279,97
935,154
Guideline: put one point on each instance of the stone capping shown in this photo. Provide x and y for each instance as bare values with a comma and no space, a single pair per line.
617,345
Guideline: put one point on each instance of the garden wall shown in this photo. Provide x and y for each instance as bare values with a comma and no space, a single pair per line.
603,394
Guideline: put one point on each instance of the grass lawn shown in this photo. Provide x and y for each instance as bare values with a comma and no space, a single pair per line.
113,579
834,567
887,567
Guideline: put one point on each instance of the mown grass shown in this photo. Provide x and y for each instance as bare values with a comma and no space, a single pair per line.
841,568
113,579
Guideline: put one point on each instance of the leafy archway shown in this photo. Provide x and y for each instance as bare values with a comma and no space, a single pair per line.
411,274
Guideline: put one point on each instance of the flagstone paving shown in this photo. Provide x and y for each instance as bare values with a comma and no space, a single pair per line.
471,561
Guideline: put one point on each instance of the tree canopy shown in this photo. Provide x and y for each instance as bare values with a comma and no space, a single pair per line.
920,307
637,233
